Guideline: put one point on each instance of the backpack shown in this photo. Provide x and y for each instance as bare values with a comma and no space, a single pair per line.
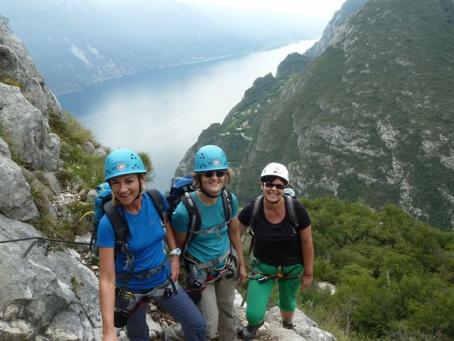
178,186
180,190
289,206
104,206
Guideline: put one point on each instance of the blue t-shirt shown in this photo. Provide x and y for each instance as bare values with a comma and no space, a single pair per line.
206,246
146,241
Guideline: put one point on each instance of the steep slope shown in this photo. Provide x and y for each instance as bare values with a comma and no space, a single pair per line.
44,296
370,119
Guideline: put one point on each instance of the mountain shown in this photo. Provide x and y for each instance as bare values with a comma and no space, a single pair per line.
77,43
49,163
369,117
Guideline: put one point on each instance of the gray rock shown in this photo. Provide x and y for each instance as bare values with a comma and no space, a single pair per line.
16,64
331,288
272,329
52,182
89,147
305,327
4,149
335,27
29,175
16,201
43,200
26,128
51,297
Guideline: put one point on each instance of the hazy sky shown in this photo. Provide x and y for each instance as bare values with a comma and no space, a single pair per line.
322,9
318,10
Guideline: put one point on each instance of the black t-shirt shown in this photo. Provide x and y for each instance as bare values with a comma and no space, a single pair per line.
276,244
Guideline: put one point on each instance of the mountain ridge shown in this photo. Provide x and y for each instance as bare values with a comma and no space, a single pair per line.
369,119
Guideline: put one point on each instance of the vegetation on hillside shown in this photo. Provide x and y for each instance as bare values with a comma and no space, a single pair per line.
394,275
81,170
79,166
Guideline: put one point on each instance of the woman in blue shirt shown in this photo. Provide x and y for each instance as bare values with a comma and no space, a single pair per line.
141,272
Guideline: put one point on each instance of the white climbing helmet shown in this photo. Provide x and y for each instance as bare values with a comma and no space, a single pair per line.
275,169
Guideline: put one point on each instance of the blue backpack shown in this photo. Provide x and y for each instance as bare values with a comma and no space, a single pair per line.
104,206
178,187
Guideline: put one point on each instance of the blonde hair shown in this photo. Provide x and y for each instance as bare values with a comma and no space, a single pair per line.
197,178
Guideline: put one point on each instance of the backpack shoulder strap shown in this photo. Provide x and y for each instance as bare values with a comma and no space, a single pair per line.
255,214
227,204
156,198
290,206
120,226
253,220
195,221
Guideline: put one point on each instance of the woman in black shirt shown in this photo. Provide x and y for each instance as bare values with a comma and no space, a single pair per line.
282,249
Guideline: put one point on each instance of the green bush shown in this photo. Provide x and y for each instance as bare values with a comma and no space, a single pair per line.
79,166
393,274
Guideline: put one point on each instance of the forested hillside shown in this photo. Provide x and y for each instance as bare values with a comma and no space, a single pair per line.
370,118
394,275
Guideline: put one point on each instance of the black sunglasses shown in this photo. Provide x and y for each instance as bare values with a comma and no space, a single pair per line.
271,185
210,174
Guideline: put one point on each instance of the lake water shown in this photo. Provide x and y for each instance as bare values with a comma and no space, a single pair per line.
162,112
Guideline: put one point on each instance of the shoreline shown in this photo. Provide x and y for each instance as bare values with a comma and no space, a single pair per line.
197,62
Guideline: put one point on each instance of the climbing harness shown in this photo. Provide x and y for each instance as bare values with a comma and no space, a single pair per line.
263,278
200,275
137,300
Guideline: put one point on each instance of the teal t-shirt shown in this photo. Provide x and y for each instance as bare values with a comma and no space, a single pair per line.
215,241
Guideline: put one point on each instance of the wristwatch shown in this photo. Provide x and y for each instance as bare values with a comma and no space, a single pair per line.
175,252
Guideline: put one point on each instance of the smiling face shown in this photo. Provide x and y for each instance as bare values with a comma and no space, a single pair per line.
126,188
213,182
273,189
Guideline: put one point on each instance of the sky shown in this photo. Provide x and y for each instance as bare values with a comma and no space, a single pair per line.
320,9
317,10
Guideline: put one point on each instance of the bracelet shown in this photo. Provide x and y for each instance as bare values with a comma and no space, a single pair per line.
307,275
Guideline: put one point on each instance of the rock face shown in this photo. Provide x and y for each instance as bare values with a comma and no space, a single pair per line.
43,297
51,297
15,63
369,118
27,130
25,106
16,201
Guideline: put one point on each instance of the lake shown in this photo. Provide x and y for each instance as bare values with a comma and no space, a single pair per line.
162,112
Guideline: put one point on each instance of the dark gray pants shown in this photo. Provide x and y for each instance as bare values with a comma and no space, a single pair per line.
180,307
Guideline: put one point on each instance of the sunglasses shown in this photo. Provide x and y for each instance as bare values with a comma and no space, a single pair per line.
210,174
271,185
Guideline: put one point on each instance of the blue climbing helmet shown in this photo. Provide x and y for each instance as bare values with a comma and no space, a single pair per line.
209,158
122,161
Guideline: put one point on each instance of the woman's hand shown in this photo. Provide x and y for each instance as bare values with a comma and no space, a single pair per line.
242,272
306,281
175,267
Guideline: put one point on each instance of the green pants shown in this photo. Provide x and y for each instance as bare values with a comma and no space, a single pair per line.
258,293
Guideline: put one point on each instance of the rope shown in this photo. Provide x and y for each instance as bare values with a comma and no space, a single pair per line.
41,240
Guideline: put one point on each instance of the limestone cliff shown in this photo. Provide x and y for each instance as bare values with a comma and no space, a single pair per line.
43,297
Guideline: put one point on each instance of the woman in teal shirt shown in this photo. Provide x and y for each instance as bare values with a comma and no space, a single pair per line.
213,253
